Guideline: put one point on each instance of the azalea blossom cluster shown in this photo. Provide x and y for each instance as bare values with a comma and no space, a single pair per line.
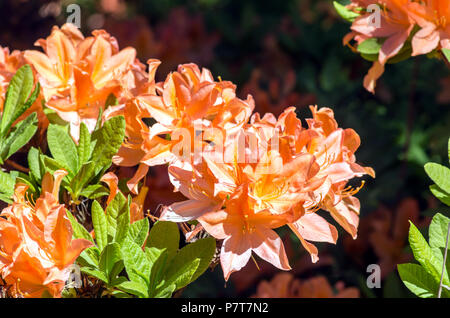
422,23
243,174
36,245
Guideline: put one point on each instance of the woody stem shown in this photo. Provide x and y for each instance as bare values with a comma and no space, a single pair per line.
443,265
17,166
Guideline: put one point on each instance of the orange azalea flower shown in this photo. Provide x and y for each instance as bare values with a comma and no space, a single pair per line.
77,74
233,208
433,16
36,245
244,230
288,180
137,147
334,149
284,285
188,100
396,24
397,21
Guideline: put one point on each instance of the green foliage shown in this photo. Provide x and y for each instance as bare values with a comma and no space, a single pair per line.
370,46
345,13
441,177
130,261
7,182
19,97
446,53
424,279
85,162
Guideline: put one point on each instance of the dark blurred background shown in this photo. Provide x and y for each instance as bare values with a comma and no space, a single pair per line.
288,53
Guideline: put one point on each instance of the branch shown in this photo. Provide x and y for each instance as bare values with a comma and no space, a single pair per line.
443,265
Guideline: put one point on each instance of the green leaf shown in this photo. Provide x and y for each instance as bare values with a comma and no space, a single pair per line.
439,174
165,234
158,268
110,255
369,46
5,198
53,117
95,273
94,191
203,250
119,294
138,231
424,254
51,165
402,55
370,57
7,183
166,291
123,225
446,53
117,207
100,226
34,163
438,230
84,175
63,148
91,255
134,288
111,100
108,141
153,253
346,14
137,264
182,273
20,134
418,280
443,196
79,231
84,145
18,98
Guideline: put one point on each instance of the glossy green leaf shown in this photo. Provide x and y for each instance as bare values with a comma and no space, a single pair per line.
443,196
202,249
63,148
424,254
7,182
438,230
165,234
137,264
117,207
134,288
100,225
138,231
18,97
418,280
94,191
19,136
109,256
439,174
108,141
95,273
182,273
84,145
346,14
34,163
369,46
